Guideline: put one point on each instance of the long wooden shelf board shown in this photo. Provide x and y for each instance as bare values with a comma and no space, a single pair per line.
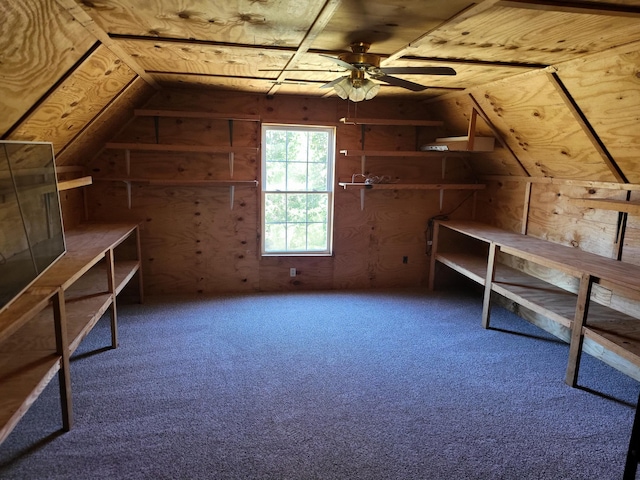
616,332
165,147
531,292
416,186
86,245
182,182
24,377
561,257
192,114
608,204
397,153
22,309
74,183
386,121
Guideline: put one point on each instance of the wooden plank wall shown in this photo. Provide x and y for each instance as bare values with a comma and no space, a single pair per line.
194,243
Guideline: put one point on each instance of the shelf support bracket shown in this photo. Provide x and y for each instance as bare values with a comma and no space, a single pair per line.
488,283
232,191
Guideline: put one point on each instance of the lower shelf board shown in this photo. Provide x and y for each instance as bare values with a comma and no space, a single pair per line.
24,376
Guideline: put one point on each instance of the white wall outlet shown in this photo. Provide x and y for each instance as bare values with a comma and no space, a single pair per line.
293,272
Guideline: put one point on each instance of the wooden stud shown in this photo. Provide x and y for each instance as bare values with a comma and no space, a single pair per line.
62,349
577,336
139,258
434,252
111,284
488,283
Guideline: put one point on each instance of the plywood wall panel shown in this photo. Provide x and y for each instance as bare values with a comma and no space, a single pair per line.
502,204
541,130
107,124
552,217
369,244
607,90
77,100
39,43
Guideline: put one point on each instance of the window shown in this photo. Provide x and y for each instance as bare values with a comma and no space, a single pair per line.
297,190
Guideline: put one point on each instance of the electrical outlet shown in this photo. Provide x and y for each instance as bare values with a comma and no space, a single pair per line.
292,272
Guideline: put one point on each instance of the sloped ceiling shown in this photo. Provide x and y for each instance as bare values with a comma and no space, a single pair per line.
71,71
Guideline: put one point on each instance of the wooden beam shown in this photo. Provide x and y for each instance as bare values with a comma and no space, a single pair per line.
319,24
607,204
75,183
586,127
83,18
191,114
562,181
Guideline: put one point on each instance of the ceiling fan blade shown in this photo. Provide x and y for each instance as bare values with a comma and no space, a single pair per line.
333,82
342,63
399,82
296,70
419,70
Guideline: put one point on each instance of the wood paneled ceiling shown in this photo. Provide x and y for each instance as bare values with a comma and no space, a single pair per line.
268,46
71,71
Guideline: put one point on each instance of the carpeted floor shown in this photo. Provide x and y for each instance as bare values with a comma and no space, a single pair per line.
332,385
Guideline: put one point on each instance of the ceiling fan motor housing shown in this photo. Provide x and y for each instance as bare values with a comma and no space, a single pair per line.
359,57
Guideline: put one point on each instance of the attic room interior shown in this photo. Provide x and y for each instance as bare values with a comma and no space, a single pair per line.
320,239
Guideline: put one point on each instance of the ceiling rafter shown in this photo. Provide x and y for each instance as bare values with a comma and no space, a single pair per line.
319,24
83,18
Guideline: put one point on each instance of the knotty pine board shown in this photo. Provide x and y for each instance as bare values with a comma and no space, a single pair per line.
105,125
50,43
541,130
607,89
77,100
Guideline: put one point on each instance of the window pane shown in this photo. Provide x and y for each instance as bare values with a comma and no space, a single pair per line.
275,148
296,176
276,176
297,208
317,236
319,147
297,236
318,177
275,239
275,208
317,207
296,146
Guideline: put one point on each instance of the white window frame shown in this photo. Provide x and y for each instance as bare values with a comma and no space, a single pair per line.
329,192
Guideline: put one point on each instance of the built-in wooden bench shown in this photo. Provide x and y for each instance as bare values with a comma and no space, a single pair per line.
46,323
604,332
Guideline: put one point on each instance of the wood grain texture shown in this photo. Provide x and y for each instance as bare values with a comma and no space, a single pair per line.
39,43
528,36
541,130
607,89
77,101
238,21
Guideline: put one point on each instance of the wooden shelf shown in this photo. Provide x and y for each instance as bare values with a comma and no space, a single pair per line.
396,153
608,204
183,114
74,183
165,147
386,121
461,144
609,335
37,336
415,186
182,182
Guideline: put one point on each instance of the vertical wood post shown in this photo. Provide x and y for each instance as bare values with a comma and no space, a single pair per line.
488,283
579,321
434,251
111,282
139,258
62,349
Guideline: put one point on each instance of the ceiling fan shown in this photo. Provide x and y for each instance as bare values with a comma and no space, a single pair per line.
360,64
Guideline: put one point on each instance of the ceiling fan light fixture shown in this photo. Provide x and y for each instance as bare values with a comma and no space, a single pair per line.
356,90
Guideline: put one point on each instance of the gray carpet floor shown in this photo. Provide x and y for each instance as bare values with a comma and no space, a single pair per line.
398,384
